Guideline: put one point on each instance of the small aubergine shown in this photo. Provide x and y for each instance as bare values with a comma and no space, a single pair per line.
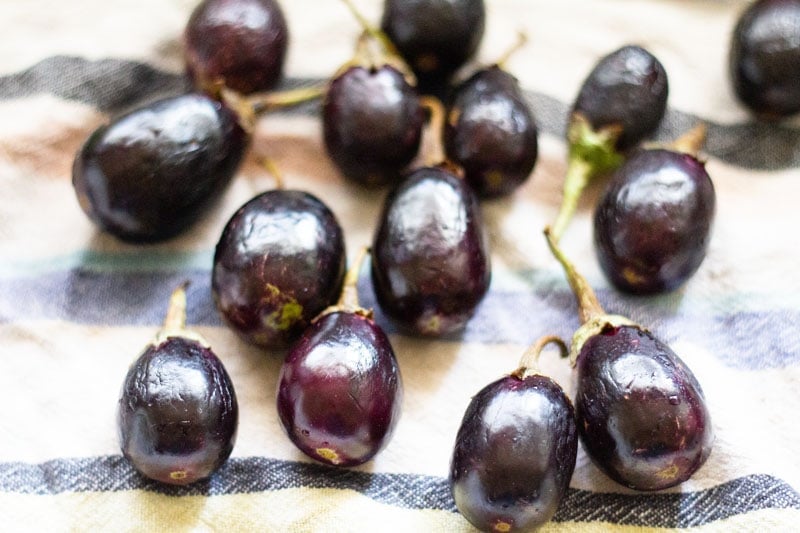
241,43
764,58
372,118
642,415
372,124
491,132
279,262
436,37
653,224
339,389
431,265
628,89
515,452
178,414
151,173
621,101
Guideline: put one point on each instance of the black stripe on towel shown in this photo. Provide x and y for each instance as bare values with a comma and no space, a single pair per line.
257,474
113,85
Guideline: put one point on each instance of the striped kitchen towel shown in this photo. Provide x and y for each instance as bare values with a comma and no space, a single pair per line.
77,306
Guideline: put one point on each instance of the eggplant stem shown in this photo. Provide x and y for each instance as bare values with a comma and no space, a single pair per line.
436,110
368,28
274,170
579,172
366,53
690,142
175,320
591,152
176,310
249,107
529,362
588,305
261,102
522,40
349,297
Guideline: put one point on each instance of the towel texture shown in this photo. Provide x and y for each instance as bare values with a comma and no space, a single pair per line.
77,305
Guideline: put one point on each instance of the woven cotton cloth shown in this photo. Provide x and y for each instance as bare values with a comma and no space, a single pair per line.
77,305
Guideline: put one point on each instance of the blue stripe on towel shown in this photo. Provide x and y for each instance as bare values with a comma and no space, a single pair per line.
739,339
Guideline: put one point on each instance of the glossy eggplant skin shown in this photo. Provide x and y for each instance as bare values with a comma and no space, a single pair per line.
764,58
653,224
628,88
178,412
279,262
491,133
339,390
641,413
436,37
241,42
372,124
430,260
151,173
514,454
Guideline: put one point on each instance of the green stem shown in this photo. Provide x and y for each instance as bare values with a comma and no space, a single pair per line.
249,107
594,319
261,102
529,363
690,142
579,172
175,320
591,153
371,30
522,40
387,53
274,170
437,113
176,310
589,307
368,54
239,104
349,297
